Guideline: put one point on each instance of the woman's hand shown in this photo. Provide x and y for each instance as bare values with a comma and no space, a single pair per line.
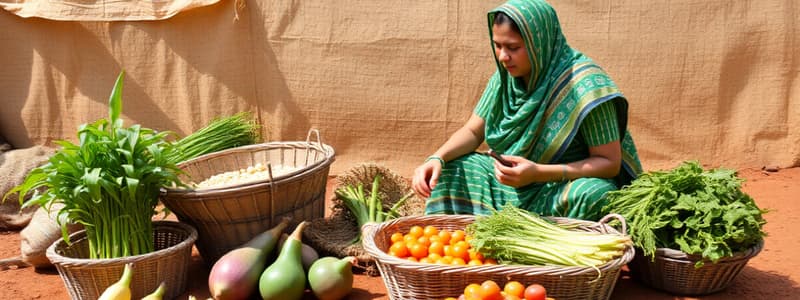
522,172
425,177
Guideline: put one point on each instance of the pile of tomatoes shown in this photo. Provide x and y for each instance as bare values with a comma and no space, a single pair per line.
430,245
513,290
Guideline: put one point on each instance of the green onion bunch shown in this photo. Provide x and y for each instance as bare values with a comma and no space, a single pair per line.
368,209
516,236
220,134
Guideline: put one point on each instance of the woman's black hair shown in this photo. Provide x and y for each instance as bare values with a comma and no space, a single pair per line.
501,18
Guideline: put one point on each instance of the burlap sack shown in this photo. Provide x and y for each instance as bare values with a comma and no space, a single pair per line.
14,166
41,232
334,236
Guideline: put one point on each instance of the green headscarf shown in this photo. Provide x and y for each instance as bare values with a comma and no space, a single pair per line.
539,119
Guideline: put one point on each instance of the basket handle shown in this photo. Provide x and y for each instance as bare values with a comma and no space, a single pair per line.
619,218
308,141
315,132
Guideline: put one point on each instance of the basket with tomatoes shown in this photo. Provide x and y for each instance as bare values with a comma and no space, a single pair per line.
434,257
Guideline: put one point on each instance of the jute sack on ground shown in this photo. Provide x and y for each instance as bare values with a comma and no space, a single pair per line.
14,166
43,230
334,236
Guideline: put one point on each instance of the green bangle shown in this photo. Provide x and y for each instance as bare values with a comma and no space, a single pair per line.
434,157
563,172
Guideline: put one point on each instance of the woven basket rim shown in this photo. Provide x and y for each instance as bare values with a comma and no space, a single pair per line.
58,259
370,230
678,255
168,192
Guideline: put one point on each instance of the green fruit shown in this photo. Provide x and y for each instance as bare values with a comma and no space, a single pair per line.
331,278
285,279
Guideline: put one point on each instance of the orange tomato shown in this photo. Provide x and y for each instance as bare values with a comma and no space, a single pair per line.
474,262
399,249
448,250
423,240
457,236
472,290
490,291
430,231
489,261
418,250
416,231
460,250
408,238
436,247
515,288
397,236
444,236
474,254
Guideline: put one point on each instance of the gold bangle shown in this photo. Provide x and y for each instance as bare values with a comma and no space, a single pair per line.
434,157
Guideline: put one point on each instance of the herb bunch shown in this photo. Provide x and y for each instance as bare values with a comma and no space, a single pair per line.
697,211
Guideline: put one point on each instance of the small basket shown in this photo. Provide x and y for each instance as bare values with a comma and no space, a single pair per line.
87,278
413,280
674,271
229,216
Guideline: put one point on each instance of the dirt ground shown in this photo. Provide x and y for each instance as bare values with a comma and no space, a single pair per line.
773,274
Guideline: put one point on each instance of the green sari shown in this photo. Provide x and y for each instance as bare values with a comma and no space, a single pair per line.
540,120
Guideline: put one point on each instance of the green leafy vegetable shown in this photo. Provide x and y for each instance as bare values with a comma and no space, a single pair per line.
109,182
700,212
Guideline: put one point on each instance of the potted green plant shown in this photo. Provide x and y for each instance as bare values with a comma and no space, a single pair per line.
109,182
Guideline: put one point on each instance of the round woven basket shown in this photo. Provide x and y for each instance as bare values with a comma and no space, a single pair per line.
86,278
229,216
674,271
413,280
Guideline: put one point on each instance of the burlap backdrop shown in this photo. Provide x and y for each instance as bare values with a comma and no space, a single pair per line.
388,81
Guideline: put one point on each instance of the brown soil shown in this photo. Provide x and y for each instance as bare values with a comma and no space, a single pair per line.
773,274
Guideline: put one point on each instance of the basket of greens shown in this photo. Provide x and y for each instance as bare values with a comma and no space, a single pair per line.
694,229
110,182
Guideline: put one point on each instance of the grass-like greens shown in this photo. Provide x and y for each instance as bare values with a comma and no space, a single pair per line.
220,134
697,211
109,182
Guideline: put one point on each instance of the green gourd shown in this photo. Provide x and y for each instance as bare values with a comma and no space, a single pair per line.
285,279
235,275
331,278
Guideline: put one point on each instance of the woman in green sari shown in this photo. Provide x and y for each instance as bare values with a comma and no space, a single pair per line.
555,115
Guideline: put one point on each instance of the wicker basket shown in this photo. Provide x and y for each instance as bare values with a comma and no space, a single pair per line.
229,216
87,278
412,280
674,271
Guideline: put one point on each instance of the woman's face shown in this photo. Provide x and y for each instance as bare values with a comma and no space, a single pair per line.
510,51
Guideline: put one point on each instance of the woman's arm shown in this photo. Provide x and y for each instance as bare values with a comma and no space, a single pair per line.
465,140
